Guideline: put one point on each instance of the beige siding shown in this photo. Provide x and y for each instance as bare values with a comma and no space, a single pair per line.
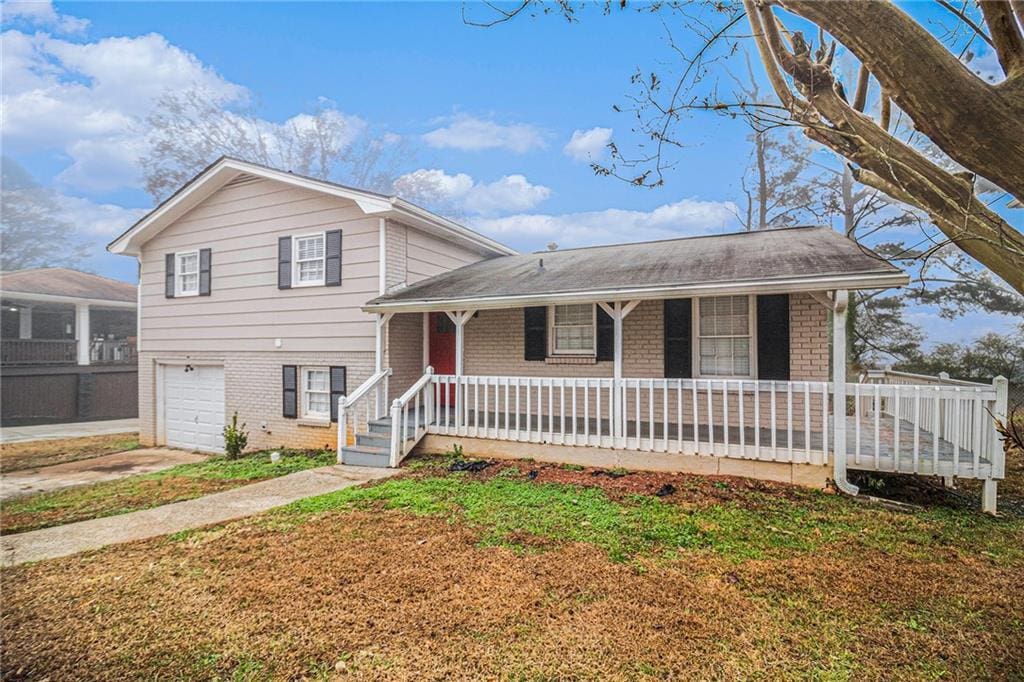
413,255
246,312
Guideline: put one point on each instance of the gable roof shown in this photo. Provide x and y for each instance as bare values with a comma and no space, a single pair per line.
767,261
65,283
225,169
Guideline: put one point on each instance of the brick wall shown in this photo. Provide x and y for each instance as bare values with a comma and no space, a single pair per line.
404,354
252,386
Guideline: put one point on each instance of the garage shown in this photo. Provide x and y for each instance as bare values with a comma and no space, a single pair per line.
193,407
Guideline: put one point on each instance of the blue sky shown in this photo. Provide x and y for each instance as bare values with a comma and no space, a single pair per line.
487,114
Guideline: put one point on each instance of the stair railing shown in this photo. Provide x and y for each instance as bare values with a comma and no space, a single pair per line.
355,403
421,397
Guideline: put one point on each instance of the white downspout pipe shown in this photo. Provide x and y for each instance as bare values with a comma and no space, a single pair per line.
840,304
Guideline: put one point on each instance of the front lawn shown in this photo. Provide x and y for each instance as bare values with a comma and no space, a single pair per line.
183,482
528,571
41,453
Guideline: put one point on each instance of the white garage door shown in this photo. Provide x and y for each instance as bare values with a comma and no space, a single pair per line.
194,407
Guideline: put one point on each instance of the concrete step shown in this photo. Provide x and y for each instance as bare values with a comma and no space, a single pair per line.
374,439
365,456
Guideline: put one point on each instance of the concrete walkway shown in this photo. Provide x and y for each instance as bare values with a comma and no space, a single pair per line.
49,543
21,434
92,470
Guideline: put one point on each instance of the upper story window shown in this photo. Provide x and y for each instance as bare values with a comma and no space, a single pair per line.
316,392
186,274
573,329
309,264
725,336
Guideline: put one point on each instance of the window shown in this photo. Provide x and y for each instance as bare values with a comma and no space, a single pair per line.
309,260
186,274
724,336
573,329
316,392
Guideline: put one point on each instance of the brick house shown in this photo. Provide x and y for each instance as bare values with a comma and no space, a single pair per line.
327,316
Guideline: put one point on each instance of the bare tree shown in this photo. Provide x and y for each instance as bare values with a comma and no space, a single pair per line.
975,122
191,129
33,231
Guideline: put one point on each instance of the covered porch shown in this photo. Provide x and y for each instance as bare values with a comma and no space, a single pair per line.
557,355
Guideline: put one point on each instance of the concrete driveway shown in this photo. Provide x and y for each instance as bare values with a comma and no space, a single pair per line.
21,434
94,470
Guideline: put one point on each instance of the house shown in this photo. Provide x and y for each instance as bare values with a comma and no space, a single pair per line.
330,316
67,347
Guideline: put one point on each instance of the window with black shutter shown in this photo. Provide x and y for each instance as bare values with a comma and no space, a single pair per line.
773,337
338,389
289,391
535,333
605,335
678,338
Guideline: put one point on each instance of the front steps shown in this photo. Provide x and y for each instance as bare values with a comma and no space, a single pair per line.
372,448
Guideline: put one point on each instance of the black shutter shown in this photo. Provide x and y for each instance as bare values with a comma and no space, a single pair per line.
773,337
338,388
678,338
605,335
535,333
204,272
289,391
284,263
332,260
169,275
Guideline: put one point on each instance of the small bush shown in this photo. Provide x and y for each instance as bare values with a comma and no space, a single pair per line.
235,438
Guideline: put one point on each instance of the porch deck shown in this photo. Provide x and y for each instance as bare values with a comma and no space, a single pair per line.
874,450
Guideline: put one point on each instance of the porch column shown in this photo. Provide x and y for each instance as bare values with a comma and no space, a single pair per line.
840,303
378,357
426,340
82,332
25,322
459,318
618,312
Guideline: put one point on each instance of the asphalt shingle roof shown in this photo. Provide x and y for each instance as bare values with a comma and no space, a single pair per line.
66,282
804,252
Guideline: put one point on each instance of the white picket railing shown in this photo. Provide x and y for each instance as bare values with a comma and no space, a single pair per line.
419,398
923,428
366,402
784,421
925,424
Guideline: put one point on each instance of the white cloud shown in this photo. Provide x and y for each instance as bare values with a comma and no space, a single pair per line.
462,193
42,13
679,219
588,145
469,133
92,218
89,100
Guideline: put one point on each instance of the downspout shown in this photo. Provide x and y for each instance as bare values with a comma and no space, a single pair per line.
840,303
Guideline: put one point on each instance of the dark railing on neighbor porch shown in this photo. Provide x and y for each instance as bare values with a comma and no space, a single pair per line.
112,352
38,352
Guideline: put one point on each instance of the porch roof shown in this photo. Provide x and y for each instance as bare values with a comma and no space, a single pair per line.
65,285
769,261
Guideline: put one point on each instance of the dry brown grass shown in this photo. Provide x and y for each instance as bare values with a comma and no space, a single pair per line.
383,594
35,454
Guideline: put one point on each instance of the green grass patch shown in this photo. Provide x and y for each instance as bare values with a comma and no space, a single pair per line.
512,513
183,482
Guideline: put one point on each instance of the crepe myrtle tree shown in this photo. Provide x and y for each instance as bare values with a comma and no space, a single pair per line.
974,123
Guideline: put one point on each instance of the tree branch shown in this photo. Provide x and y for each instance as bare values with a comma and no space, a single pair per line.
1006,35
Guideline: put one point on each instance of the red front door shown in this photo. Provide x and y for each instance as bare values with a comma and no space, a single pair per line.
442,351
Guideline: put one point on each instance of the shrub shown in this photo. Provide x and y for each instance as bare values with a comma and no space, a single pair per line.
235,438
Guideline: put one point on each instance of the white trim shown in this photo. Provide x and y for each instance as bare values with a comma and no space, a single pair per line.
15,296
225,169
752,335
769,286
304,412
295,260
382,260
178,274
553,351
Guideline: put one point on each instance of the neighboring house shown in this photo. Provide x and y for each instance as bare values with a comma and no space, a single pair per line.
67,349
300,304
